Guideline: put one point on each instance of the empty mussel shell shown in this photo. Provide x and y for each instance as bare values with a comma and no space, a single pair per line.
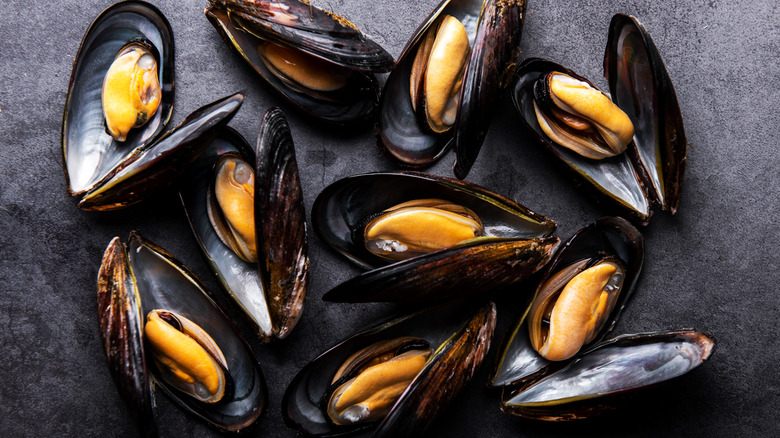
514,242
652,168
142,279
270,288
459,337
606,376
317,60
403,132
611,240
89,153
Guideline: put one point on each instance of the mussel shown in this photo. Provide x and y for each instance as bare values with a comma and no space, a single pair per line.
90,154
317,60
578,301
424,359
158,324
651,169
461,237
443,87
247,215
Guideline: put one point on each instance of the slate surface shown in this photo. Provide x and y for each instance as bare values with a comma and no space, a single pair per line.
713,266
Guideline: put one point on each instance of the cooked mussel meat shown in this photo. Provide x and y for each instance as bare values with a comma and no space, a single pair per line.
420,226
573,306
579,117
186,357
303,72
231,206
370,381
437,73
131,89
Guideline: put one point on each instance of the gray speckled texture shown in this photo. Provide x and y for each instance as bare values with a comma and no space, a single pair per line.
713,266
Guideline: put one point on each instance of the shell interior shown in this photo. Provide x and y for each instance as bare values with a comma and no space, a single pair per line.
442,327
345,203
163,162
622,365
609,237
163,283
614,177
89,153
238,277
247,27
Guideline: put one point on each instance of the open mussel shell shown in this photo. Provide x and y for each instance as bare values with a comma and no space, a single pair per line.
331,41
613,178
610,238
271,291
640,85
163,162
515,242
89,153
460,339
140,277
494,30
652,168
606,376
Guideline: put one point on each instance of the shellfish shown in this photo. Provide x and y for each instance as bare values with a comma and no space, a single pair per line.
412,138
653,167
286,41
254,239
514,242
140,279
459,339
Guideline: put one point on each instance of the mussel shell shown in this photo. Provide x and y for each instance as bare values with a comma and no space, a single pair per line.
612,178
343,204
450,273
611,373
494,30
298,25
163,162
611,237
89,153
640,85
460,338
158,281
119,315
270,292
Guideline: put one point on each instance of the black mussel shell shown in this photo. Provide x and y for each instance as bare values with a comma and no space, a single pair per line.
161,164
612,178
136,279
119,315
271,291
516,243
341,206
460,339
494,29
609,374
652,168
450,273
281,228
609,237
245,25
640,85
89,154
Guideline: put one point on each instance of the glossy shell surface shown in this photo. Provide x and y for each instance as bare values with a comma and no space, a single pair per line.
271,291
89,153
460,339
158,281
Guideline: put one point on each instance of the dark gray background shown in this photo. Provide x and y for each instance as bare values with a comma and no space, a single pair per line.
713,266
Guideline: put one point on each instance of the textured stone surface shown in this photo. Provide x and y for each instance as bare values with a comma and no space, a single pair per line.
713,266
